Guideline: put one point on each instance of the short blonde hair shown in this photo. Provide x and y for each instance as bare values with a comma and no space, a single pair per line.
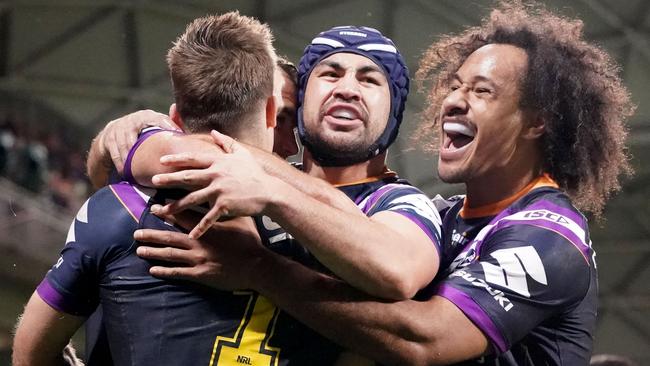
221,69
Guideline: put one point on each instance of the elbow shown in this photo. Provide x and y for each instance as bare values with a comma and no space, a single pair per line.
415,341
397,287
403,290
417,354
414,353
425,355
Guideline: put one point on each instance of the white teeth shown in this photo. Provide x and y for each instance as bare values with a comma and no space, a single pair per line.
460,128
343,113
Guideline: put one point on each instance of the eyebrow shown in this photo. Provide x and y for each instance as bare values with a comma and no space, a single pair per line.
369,68
475,79
363,69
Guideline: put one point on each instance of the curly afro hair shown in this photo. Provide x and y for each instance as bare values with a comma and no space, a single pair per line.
573,85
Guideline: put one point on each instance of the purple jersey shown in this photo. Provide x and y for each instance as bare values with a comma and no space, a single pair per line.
151,321
154,321
526,277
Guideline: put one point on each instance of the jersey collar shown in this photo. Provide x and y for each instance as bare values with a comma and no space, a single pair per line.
386,173
492,209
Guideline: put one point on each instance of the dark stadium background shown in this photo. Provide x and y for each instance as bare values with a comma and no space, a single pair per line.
69,66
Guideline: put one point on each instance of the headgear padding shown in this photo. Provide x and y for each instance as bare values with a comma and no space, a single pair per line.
370,43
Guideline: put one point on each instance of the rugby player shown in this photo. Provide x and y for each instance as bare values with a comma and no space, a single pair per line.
530,117
284,89
396,197
222,71
353,85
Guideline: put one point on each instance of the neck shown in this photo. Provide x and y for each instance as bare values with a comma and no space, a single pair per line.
254,133
344,174
502,183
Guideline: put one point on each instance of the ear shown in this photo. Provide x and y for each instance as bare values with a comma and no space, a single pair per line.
535,127
270,112
175,116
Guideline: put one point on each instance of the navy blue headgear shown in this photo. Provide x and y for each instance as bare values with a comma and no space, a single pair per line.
370,43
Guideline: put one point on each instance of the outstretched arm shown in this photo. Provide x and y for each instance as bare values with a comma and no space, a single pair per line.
386,255
196,153
433,332
391,254
42,334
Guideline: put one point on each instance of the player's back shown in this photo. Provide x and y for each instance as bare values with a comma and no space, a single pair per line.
150,321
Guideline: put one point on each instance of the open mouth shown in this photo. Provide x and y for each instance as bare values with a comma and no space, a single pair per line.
343,114
343,117
457,135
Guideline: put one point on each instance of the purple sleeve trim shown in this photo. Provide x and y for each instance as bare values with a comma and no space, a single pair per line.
54,298
475,313
130,199
128,174
432,236
375,196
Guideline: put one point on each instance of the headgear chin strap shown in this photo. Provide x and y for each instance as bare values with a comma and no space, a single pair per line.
370,43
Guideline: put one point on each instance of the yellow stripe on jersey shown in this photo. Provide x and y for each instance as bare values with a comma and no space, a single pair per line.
249,345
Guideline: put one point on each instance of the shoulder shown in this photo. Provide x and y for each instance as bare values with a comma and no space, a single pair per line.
404,199
548,239
548,215
407,201
396,195
107,218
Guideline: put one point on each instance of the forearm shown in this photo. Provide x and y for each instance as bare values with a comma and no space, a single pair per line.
310,186
98,164
388,332
42,334
145,161
368,254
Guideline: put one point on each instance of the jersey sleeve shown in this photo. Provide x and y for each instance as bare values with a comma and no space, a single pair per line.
101,230
522,275
409,202
142,137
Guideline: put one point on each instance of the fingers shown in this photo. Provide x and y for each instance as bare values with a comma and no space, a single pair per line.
165,237
194,160
178,273
186,219
121,134
111,145
184,178
206,223
147,117
195,198
226,143
166,254
125,139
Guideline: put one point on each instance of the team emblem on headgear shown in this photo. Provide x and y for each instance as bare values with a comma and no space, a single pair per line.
370,43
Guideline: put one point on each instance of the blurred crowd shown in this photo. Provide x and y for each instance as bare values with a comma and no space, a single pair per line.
43,162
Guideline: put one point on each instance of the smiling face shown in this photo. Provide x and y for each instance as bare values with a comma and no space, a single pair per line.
482,124
346,106
284,91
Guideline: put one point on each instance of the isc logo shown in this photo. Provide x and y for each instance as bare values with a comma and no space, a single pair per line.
548,215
